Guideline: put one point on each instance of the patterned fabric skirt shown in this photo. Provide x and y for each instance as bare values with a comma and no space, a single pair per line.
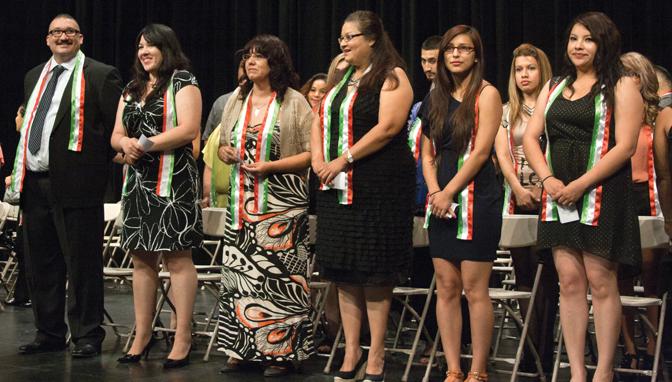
264,305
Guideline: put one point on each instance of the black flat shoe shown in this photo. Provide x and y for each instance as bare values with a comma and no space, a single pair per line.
19,303
85,350
41,346
135,358
355,374
238,365
177,363
279,369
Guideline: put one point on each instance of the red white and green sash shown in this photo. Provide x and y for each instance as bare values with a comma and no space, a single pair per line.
465,199
76,135
263,154
654,201
345,138
592,200
509,203
415,137
167,158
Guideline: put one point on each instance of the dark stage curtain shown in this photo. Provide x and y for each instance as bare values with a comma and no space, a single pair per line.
212,30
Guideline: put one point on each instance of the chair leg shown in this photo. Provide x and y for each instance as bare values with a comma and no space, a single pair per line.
659,338
418,333
432,355
332,355
400,326
526,324
556,364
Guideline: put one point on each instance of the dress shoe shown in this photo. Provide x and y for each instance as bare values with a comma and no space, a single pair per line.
86,350
177,363
42,346
355,374
279,369
19,303
135,358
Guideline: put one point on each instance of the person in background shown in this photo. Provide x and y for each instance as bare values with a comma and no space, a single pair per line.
336,70
592,116
215,115
646,195
422,271
663,161
314,89
530,70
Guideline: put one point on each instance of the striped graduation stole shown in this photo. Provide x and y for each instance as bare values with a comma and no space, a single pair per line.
76,135
345,138
465,199
654,201
167,158
509,203
415,137
592,200
262,154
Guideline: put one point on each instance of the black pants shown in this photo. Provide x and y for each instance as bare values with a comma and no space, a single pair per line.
63,243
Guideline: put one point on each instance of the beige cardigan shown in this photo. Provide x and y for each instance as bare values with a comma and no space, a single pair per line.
295,119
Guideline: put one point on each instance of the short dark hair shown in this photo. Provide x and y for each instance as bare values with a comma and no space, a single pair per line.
282,75
431,43
65,16
164,38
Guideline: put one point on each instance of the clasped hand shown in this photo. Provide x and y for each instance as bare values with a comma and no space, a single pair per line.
132,150
441,203
328,171
564,195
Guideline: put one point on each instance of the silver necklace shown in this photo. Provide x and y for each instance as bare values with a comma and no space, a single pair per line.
528,110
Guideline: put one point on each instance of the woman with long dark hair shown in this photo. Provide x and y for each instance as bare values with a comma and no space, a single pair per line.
365,208
264,313
460,119
158,117
588,218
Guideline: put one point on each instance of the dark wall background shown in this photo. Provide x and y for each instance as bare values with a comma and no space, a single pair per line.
212,30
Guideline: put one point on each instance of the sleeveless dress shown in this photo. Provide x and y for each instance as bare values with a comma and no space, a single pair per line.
152,222
616,238
264,304
368,242
487,204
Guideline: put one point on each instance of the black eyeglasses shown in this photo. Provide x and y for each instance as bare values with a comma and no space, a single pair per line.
461,49
348,37
256,56
59,32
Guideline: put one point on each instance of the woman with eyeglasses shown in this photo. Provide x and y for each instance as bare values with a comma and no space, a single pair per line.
264,306
592,116
159,115
460,119
365,206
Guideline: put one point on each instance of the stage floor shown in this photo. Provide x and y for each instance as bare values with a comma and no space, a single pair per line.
17,329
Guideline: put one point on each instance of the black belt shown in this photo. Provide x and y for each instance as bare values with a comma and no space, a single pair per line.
37,174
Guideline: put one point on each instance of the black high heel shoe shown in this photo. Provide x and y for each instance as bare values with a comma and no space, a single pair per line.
135,358
355,374
177,363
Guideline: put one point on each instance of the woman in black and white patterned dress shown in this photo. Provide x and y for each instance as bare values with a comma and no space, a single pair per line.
158,117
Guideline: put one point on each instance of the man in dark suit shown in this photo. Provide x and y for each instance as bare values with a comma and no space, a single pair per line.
61,171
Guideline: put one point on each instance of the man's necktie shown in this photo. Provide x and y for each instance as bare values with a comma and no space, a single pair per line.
35,140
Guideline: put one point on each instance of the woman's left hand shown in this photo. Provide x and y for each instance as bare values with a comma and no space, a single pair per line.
257,168
329,171
570,193
442,202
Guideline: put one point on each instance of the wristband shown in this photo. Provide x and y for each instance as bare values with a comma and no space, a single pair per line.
543,180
